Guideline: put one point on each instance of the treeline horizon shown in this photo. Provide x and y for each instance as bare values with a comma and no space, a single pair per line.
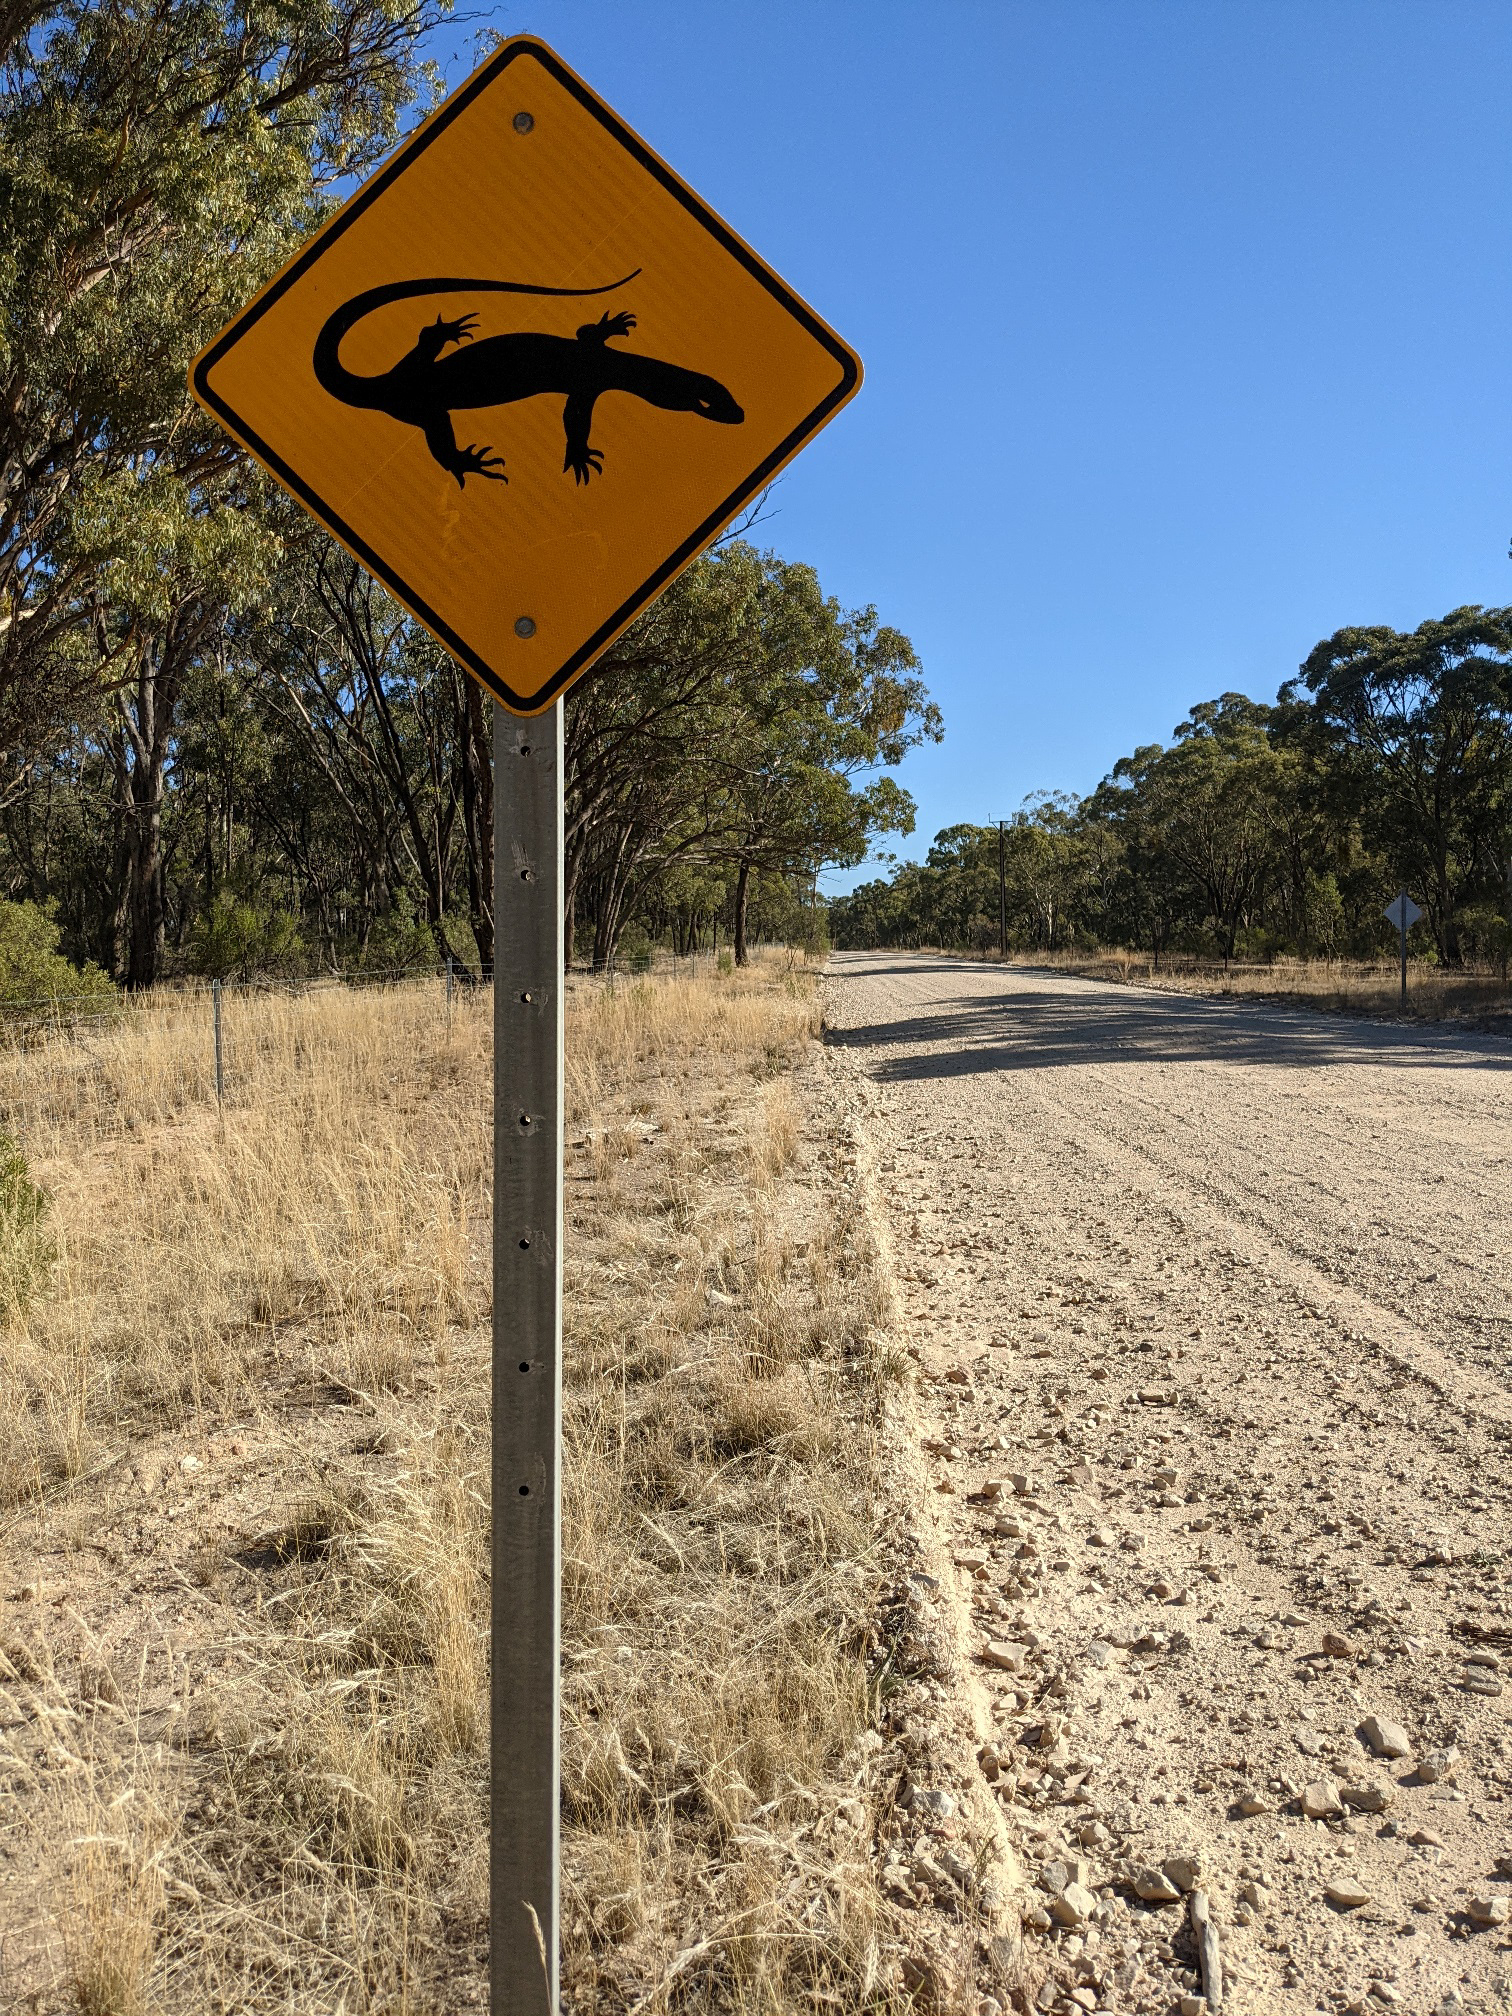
1260,830
225,749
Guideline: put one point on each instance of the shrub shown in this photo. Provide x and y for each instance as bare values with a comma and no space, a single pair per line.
1485,938
238,938
34,973
400,942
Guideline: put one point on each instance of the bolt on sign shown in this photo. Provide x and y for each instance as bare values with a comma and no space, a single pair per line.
525,375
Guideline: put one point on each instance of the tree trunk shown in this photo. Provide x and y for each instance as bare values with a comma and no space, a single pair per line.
143,764
606,928
477,813
742,895
609,916
572,875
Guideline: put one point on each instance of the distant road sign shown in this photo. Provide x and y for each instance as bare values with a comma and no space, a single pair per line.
1402,913
525,375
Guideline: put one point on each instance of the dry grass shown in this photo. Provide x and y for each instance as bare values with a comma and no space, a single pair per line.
1339,985
320,1230
253,1385
722,1388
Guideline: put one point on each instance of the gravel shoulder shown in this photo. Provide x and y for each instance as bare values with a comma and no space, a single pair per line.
1210,1305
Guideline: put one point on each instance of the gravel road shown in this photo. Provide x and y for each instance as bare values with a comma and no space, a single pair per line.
1212,1307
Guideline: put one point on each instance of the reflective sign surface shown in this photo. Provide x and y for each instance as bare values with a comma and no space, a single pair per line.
525,375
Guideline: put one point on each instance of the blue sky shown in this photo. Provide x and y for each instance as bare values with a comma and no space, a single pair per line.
1186,330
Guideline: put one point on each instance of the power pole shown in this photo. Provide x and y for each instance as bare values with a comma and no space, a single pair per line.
1002,894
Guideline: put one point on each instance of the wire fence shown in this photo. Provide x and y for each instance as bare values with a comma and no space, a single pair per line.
92,1067
86,1069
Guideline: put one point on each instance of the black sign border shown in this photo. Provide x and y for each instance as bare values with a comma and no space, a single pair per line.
583,657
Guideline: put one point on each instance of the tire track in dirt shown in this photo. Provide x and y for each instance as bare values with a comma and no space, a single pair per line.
1165,1265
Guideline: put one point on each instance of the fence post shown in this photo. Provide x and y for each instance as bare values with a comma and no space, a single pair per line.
220,1076
448,985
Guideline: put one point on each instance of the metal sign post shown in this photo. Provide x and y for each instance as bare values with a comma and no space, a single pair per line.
1402,932
525,376
527,1360
1403,913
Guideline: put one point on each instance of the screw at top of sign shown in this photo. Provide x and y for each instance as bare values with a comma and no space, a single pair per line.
523,122
524,626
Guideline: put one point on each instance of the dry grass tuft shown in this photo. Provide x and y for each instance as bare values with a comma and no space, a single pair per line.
113,1897
722,1389
249,1369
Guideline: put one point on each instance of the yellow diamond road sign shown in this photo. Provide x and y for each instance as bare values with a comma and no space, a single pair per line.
525,375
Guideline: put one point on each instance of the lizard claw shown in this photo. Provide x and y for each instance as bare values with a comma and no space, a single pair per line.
460,331
584,463
606,326
475,461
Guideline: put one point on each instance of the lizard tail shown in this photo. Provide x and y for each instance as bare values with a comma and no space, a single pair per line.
354,390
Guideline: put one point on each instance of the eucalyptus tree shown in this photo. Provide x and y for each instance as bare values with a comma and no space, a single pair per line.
826,699
735,726
1418,725
1195,819
158,158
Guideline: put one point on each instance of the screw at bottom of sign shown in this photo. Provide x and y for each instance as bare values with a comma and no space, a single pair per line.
524,626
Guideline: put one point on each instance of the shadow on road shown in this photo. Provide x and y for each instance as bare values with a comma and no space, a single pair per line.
1019,1027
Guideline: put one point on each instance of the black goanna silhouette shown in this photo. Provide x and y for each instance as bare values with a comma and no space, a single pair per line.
424,388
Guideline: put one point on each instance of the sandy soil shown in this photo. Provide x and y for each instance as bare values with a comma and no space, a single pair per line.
1211,1305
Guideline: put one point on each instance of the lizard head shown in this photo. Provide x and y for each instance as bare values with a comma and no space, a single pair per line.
678,391
714,402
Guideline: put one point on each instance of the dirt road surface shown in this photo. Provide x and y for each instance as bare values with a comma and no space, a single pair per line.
1213,1306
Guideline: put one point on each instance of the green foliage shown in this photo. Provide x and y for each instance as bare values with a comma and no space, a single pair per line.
1416,730
236,938
34,973
735,731
1485,937
156,163
633,953
1260,830
399,942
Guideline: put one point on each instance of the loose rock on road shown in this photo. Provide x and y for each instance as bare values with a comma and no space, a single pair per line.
1212,1303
